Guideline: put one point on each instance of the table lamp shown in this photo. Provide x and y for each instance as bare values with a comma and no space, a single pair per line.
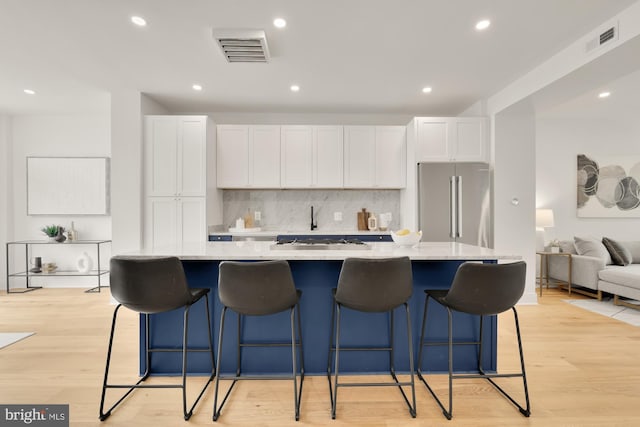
544,219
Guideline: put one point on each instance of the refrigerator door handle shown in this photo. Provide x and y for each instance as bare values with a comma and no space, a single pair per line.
452,207
459,207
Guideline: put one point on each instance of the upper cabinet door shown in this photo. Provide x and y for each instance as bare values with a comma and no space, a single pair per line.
447,139
328,155
161,151
264,156
359,156
296,145
391,158
192,156
434,139
471,141
233,156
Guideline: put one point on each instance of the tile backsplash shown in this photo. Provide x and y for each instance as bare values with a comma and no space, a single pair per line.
290,210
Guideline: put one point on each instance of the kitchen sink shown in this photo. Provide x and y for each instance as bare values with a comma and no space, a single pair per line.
320,244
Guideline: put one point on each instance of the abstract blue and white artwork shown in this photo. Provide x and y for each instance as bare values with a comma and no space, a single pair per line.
608,187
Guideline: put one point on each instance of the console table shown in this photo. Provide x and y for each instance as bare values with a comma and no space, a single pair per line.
27,275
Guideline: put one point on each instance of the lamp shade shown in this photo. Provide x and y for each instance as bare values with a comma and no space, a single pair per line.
544,218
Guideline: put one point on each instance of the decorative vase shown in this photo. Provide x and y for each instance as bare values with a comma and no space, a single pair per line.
72,234
84,263
60,237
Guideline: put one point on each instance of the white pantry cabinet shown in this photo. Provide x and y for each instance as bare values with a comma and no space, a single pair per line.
175,156
375,156
445,139
311,156
174,220
248,156
175,181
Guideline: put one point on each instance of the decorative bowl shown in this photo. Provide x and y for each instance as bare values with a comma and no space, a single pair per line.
409,239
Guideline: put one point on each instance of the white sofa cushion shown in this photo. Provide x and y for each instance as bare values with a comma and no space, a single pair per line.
634,249
592,247
624,275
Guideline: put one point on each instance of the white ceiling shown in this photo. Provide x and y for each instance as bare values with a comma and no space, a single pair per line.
348,56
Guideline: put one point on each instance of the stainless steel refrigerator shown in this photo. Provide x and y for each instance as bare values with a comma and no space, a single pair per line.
455,203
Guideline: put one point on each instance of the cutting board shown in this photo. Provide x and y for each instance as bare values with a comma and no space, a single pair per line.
363,218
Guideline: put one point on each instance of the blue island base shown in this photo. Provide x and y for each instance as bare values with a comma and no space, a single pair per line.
316,279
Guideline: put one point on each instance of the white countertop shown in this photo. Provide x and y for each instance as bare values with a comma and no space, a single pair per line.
266,233
255,250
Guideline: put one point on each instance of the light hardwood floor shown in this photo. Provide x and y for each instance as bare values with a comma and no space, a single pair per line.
583,370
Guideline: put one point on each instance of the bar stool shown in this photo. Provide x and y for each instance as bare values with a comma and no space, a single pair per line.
258,289
482,290
372,286
150,285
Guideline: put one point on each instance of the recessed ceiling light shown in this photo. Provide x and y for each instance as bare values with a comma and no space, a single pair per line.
279,23
139,21
604,94
483,25
196,87
30,92
426,90
295,88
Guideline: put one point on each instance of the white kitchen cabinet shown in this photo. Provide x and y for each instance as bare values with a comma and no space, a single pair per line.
296,145
233,156
174,220
359,156
264,156
445,139
375,156
328,156
311,156
391,157
175,156
176,180
248,156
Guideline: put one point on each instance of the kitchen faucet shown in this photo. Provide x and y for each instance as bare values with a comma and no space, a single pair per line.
313,225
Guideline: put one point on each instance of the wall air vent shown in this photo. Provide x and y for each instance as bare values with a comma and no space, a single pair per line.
605,36
242,45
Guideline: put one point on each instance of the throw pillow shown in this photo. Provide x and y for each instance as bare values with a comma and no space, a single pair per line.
619,254
592,247
567,246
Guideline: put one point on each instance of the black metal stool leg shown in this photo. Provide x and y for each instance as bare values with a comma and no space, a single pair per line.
331,350
337,355
216,409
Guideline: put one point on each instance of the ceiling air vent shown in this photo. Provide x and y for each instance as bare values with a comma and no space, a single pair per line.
243,45
609,34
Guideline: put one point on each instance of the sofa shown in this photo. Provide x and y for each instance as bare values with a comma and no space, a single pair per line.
600,265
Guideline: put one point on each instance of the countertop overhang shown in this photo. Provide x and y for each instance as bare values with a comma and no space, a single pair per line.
260,250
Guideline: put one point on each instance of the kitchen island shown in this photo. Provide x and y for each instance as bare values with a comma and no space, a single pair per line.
316,272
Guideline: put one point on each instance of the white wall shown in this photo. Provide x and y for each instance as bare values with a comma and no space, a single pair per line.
126,170
72,135
559,141
514,188
6,192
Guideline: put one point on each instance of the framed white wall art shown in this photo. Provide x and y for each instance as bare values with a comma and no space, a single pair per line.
67,185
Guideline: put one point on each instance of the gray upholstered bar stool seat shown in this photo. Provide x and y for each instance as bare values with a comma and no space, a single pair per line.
258,289
482,290
372,286
150,285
